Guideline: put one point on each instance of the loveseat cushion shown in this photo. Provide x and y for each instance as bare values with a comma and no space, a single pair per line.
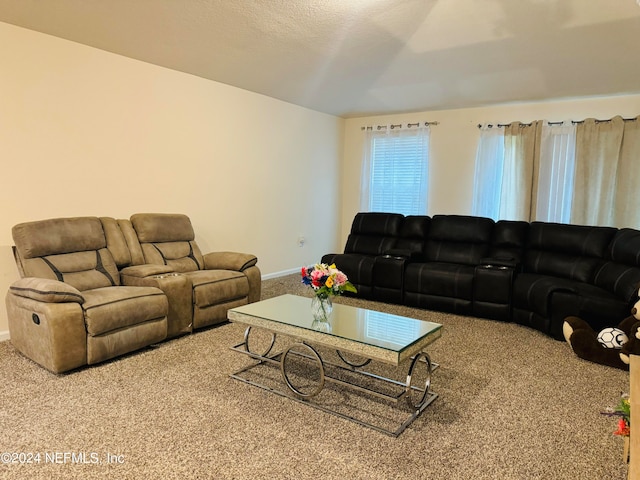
112,308
162,227
58,235
71,250
213,287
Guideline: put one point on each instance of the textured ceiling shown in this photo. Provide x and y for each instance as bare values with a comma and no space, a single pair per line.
365,57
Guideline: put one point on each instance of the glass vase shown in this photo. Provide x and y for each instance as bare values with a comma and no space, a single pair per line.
321,308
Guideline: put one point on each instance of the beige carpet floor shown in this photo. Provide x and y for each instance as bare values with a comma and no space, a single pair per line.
513,404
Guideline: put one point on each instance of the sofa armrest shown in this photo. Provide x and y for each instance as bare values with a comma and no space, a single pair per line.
229,261
46,290
147,270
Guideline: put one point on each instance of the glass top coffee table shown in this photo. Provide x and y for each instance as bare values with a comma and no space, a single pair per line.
357,337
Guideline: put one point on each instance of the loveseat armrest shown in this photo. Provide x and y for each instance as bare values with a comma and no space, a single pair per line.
229,261
46,290
146,270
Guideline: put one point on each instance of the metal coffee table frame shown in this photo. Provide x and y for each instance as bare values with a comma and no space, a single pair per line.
304,340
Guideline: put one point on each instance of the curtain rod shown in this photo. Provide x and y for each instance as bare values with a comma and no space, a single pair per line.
398,125
575,122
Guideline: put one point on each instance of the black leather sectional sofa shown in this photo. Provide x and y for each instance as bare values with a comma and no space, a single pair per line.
535,274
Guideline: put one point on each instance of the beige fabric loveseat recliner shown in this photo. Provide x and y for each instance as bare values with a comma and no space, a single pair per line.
217,281
70,308
96,288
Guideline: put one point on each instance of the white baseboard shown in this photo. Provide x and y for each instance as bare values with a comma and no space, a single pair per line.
283,273
4,335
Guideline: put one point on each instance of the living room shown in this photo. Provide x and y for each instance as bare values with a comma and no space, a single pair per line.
89,132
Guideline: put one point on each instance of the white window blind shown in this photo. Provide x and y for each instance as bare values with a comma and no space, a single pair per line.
395,171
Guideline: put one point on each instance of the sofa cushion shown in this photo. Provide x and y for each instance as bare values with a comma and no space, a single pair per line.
111,308
576,240
440,279
508,239
373,233
533,292
358,268
458,239
573,252
413,234
625,247
620,279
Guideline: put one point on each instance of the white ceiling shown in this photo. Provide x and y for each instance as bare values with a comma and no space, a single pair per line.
364,57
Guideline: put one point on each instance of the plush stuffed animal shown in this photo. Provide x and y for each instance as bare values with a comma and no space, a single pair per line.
632,347
613,351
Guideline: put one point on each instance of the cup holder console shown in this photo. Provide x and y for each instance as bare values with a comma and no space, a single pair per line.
165,275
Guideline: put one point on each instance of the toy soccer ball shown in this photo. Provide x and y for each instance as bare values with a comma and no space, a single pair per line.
612,338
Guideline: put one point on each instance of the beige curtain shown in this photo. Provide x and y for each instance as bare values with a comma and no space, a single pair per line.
626,211
607,155
521,159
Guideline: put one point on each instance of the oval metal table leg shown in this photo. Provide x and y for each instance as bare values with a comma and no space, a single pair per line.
285,376
350,363
246,343
408,386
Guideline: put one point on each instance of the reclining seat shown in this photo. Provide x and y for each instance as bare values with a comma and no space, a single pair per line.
219,280
455,245
372,234
69,309
562,260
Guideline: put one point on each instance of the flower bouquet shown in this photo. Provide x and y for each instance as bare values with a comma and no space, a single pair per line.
326,281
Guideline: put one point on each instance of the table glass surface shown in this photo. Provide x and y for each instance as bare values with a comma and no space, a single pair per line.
383,330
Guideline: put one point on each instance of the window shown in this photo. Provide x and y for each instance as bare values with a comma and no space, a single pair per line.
556,177
395,170
525,172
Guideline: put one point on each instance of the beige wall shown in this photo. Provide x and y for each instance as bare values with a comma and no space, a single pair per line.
86,132
453,146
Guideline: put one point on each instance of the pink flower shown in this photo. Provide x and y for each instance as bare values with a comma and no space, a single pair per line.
340,279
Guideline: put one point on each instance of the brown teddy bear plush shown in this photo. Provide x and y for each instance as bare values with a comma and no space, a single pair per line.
632,347
612,346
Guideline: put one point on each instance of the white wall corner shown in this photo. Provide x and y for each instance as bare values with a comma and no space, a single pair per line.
4,335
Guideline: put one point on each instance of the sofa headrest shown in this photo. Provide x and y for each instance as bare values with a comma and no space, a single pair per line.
625,247
162,227
374,223
58,235
570,239
461,228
